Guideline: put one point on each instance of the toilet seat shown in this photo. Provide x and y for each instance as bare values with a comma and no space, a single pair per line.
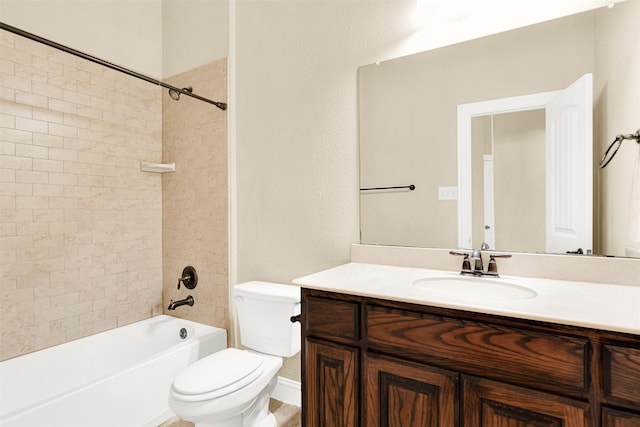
218,374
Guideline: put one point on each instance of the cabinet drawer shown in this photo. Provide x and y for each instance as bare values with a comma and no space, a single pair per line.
332,319
526,357
622,373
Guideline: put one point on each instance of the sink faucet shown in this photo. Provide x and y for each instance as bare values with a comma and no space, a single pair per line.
478,267
175,304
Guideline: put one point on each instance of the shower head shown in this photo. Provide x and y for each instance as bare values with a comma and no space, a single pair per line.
175,93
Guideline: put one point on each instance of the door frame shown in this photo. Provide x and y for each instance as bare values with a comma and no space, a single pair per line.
466,112
489,203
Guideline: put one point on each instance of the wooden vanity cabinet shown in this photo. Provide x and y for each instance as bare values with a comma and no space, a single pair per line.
621,384
377,363
402,393
332,384
490,404
331,362
615,418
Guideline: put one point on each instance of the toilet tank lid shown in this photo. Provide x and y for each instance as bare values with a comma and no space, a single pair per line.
268,290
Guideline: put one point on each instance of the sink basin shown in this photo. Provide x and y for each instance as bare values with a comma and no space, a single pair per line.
474,288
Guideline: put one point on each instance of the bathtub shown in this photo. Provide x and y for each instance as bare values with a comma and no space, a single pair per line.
116,378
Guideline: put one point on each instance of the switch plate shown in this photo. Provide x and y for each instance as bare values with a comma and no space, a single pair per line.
447,193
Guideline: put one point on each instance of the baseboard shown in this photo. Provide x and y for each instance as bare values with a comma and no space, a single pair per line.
288,391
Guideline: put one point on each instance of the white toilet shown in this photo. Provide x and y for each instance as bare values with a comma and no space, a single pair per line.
231,388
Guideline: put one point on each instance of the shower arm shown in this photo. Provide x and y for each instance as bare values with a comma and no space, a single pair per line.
6,27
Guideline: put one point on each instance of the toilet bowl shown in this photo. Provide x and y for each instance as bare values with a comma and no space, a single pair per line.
232,388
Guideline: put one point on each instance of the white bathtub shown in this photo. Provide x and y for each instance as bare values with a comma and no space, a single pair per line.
116,378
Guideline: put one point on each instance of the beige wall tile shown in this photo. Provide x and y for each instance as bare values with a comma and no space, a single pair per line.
74,201
195,196
82,229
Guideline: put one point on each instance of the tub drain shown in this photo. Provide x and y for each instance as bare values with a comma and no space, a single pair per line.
183,333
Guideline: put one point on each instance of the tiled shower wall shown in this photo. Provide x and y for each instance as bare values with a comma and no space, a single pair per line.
80,224
194,203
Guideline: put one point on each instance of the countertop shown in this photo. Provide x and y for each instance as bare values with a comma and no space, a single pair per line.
592,305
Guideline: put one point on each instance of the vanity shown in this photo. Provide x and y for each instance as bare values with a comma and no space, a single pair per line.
390,346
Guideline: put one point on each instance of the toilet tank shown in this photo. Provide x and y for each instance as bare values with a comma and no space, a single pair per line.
264,312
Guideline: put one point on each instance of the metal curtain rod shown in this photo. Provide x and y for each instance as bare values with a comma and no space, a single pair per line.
184,91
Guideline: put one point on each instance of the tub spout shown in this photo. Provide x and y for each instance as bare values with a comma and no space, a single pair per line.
175,304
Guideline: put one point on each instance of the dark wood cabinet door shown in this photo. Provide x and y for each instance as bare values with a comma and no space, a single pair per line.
622,375
492,404
615,418
330,385
405,394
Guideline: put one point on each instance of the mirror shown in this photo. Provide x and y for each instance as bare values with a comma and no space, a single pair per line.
409,131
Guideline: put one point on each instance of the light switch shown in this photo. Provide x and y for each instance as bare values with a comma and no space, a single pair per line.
447,193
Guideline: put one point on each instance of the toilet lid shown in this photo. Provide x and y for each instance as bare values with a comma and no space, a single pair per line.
228,369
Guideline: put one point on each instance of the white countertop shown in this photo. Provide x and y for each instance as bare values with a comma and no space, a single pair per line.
592,305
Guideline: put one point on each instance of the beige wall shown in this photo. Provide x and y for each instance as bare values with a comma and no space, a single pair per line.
194,33
80,224
159,38
519,181
128,33
516,142
194,197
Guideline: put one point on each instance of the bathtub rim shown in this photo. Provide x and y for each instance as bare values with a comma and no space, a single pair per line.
201,331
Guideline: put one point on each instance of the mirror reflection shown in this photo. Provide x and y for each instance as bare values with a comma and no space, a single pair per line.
500,143
560,144
501,188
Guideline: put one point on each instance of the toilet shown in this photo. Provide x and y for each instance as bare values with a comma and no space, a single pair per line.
232,387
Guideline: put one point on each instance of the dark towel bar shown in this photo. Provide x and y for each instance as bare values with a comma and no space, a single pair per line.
410,187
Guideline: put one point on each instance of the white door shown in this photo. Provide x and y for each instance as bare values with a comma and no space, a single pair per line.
569,162
489,222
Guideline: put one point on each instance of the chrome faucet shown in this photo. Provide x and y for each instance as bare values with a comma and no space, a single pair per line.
478,267
175,304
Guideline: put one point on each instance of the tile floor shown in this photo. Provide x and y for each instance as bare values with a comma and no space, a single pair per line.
286,416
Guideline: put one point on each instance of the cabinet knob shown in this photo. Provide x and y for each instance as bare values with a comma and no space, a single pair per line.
296,318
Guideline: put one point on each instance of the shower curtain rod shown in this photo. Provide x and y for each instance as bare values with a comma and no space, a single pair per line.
184,91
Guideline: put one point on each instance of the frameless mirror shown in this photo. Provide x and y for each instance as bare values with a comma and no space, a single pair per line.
508,183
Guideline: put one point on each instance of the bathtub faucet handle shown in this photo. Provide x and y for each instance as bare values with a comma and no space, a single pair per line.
183,279
189,278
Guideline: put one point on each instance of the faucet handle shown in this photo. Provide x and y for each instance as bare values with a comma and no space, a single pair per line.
466,264
499,255
460,253
492,268
189,278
